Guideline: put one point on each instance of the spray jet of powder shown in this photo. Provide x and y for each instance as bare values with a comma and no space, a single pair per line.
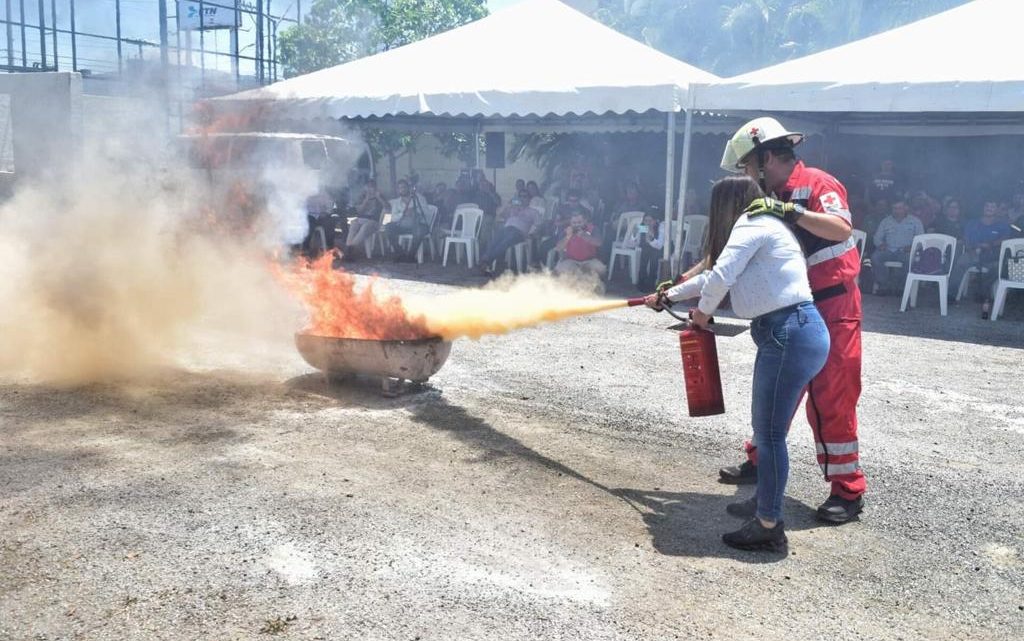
507,304
338,309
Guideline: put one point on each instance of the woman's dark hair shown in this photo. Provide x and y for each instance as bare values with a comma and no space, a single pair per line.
729,197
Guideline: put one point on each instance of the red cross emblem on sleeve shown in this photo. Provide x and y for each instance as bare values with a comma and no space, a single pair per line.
830,201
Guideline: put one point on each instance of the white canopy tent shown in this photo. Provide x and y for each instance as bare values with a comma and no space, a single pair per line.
958,61
525,66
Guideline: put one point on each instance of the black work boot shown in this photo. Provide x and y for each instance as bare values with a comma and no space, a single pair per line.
839,510
743,509
743,474
754,536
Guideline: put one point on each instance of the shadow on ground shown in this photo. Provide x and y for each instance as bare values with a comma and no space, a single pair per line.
691,523
680,523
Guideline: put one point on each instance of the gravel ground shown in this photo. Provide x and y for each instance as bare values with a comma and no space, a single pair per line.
546,485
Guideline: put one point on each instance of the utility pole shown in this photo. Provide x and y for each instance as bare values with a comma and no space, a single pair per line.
162,8
42,32
10,35
259,41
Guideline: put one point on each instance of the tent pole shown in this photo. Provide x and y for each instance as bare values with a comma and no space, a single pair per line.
684,171
670,164
476,145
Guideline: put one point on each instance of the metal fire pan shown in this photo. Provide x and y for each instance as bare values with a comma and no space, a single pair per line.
412,360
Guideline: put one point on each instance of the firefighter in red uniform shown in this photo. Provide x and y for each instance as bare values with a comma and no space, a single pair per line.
815,205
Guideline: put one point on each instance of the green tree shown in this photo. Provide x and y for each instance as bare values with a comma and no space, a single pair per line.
332,32
729,37
338,31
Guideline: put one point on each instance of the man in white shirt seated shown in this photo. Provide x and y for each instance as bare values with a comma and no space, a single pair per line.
408,216
893,239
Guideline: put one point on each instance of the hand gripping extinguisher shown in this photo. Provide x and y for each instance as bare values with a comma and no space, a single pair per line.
701,374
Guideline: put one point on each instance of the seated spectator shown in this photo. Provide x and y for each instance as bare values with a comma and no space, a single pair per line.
982,239
367,210
878,212
570,206
408,216
650,237
579,246
537,200
884,185
520,185
318,214
1016,214
520,219
487,196
925,208
893,239
949,222
632,200
437,194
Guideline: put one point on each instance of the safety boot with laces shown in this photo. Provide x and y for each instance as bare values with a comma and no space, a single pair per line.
754,536
743,474
743,509
839,510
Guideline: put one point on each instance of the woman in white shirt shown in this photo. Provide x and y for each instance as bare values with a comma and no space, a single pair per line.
760,263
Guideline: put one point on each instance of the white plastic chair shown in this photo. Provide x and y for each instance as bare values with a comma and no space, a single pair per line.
947,246
1008,249
377,237
860,239
519,252
625,245
467,235
965,281
405,240
695,230
889,264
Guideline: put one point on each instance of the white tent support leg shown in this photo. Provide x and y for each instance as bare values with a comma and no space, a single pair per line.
670,164
684,171
476,145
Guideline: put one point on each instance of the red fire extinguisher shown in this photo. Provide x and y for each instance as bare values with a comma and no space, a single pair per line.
701,375
700,372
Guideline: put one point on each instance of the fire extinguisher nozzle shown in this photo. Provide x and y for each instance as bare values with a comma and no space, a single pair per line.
635,302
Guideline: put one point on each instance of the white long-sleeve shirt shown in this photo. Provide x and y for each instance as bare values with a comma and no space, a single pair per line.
762,265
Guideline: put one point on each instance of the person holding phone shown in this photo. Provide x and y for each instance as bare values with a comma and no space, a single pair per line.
759,262
649,236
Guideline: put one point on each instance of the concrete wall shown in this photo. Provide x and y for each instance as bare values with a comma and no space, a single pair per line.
46,119
433,167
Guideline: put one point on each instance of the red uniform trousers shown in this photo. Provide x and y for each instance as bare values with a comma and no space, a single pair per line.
833,394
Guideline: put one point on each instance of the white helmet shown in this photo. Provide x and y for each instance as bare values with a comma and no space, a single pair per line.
765,133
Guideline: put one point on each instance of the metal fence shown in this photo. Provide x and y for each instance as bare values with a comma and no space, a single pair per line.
184,38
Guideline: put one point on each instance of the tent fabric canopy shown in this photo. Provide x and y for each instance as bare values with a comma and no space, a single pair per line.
537,58
961,60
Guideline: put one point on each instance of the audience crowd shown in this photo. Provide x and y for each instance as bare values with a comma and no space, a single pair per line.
574,226
892,213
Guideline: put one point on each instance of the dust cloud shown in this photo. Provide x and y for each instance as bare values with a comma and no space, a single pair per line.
114,268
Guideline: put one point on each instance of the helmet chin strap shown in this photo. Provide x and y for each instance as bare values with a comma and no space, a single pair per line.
760,169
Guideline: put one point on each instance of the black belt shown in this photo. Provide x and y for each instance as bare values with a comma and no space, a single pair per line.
829,292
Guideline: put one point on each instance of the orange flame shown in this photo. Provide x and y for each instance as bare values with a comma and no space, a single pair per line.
337,309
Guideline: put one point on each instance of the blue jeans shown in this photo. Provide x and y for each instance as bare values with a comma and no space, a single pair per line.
505,237
792,346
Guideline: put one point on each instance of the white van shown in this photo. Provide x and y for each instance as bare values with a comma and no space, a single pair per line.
331,162
282,170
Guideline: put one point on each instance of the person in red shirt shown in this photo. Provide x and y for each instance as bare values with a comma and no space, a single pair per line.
579,246
815,205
